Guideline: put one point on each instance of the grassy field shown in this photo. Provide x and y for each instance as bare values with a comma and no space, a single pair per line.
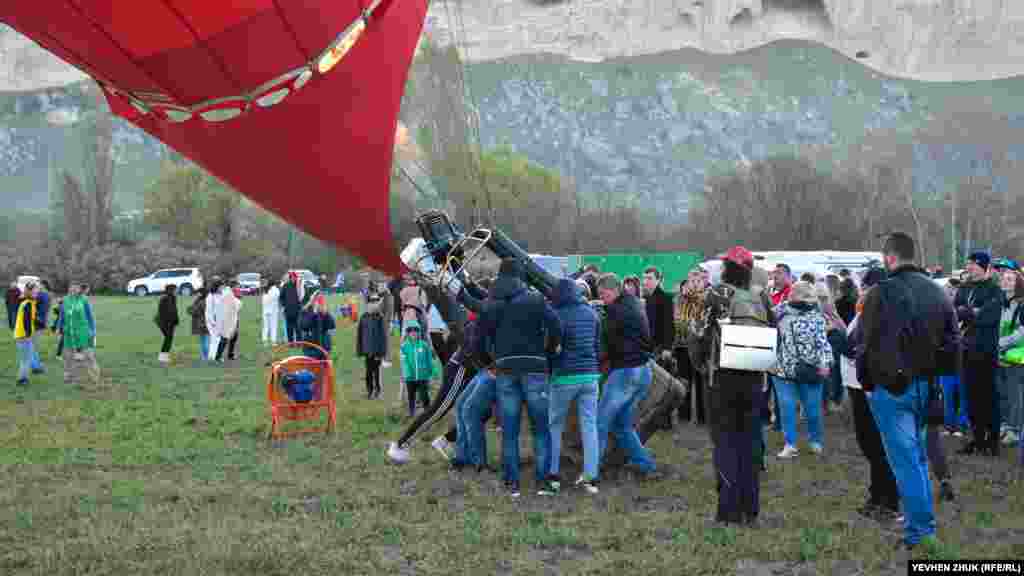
167,470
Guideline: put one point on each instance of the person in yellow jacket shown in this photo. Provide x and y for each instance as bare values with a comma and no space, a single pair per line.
24,327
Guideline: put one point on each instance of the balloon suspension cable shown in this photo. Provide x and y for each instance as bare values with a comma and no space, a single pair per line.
412,181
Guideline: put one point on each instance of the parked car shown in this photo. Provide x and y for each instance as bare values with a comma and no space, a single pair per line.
250,282
309,280
188,280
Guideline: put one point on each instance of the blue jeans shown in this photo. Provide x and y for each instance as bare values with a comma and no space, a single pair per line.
809,395
512,390
204,346
902,423
585,395
37,363
26,356
470,412
953,388
625,388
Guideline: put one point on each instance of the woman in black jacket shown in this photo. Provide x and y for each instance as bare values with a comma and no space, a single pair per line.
167,320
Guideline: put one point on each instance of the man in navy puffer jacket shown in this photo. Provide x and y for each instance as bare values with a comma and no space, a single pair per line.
519,329
575,372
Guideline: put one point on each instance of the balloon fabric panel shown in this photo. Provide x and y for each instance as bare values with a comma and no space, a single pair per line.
320,158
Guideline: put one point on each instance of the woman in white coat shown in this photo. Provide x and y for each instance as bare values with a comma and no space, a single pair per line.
227,323
214,310
271,313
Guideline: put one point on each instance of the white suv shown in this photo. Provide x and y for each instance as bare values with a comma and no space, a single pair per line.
188,280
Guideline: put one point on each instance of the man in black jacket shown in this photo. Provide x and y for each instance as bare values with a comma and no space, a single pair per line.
629,349
908,321
291,305
659,312
660,319
979,306
520,330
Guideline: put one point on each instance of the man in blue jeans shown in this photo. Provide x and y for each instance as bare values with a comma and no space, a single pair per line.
472,410
575,374
908,322
628,348
520,330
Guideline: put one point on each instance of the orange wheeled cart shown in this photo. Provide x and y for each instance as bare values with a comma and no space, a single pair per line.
301,388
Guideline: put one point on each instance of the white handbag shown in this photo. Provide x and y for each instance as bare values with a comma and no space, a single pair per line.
747,348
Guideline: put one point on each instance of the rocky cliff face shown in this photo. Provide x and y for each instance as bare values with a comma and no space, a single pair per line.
941,40
652,128
645,119
946,40
655,127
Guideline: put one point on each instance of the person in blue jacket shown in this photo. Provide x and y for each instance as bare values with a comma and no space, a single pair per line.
520,330
318,326
575,372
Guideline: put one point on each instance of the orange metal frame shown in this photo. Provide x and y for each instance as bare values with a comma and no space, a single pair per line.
284,409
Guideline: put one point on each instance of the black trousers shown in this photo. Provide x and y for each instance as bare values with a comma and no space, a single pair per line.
980,380
937,454
418,388
440,344
372,375
456,377
229,345
882,490
734,417
60,345
291,327
695,388
168,332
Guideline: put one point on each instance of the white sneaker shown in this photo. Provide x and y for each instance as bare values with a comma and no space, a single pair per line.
398,455
386,364
1010,437
817,448
589,485
788,452
442,445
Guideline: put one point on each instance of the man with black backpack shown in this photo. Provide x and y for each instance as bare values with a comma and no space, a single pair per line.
908,322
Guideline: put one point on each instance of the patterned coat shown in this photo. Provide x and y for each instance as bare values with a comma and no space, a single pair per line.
802,337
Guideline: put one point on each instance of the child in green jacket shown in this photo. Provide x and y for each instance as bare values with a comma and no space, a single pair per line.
419,366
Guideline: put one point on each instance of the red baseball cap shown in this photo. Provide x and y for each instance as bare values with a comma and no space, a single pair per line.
740,255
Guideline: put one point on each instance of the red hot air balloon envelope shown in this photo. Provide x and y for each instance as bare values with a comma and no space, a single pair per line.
293,103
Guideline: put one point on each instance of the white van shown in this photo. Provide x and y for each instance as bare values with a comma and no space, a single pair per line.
820,263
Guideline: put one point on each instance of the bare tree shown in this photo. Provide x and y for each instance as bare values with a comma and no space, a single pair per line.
76,211
103,172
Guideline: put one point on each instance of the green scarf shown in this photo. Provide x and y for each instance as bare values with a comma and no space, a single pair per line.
76,327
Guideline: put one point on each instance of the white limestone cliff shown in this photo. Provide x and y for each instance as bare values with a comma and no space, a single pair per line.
940,40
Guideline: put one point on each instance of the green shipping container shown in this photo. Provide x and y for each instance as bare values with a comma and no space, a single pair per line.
674,266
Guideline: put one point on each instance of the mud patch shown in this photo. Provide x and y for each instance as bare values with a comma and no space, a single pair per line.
392,558
749,567
448,487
